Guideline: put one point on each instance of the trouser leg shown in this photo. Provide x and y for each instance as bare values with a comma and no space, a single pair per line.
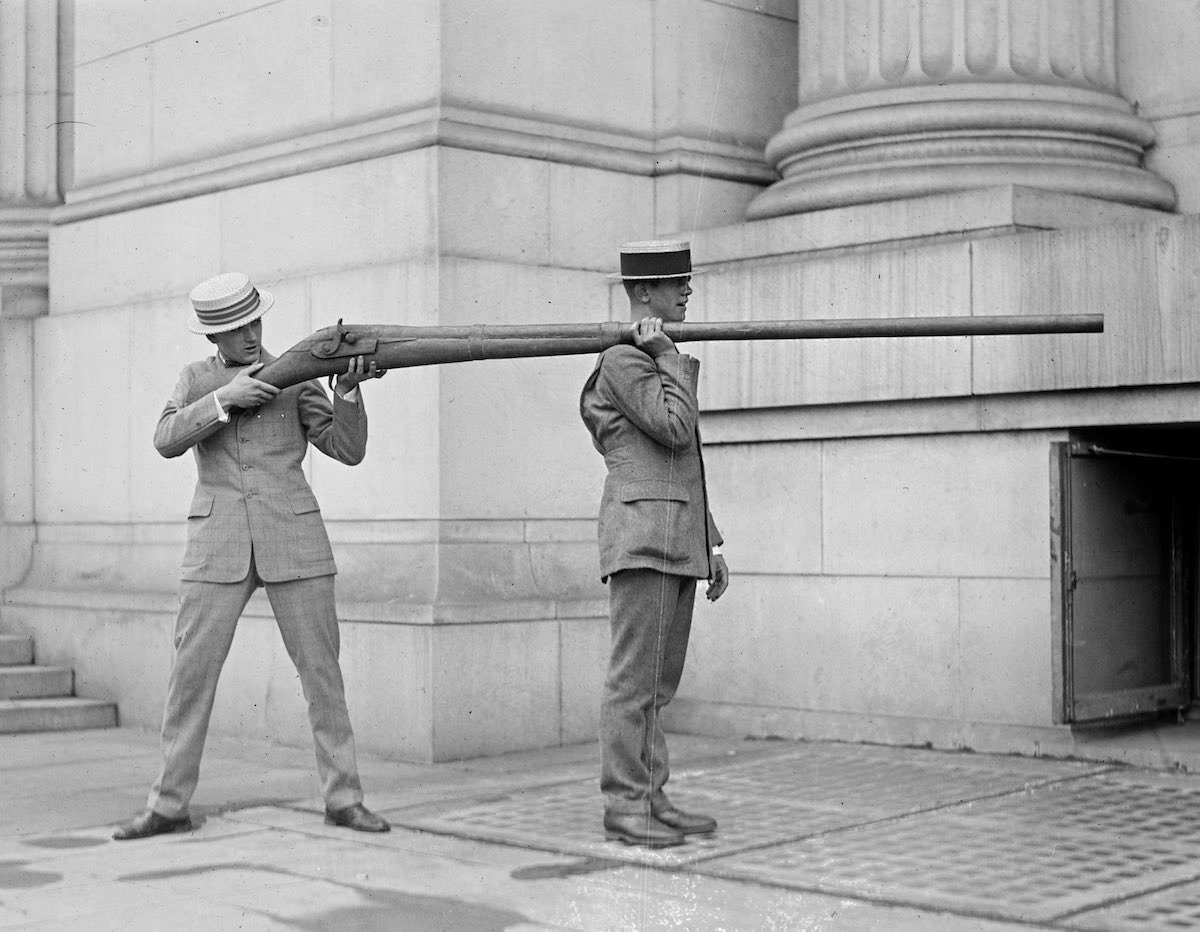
307,618
650,625
208,616
679,627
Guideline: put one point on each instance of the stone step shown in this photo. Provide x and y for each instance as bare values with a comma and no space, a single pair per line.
35,682
56,714
15,649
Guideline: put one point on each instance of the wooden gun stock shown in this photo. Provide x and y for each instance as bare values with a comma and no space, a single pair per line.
328,351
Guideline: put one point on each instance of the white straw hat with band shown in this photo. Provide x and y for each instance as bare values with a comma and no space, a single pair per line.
226,302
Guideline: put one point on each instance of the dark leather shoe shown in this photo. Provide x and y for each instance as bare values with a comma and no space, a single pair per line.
151,823
357,817
686,823
637,828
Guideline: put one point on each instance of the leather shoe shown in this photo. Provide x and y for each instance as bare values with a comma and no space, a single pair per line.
151,823
686,823
637,828
357,817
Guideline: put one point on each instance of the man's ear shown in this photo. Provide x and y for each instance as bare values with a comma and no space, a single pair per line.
641,291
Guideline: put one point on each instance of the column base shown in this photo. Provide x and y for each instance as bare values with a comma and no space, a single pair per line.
916,141
804,193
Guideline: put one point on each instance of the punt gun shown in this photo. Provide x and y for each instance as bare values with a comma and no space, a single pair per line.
328,352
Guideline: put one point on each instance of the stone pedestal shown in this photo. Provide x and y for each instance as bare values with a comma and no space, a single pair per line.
29,115
19,304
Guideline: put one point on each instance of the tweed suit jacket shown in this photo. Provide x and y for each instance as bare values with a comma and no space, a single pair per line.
251,493
642,413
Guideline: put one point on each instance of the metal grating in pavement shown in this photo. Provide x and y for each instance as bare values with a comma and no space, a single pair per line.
1039,854
767,800
1146,806
1169,910
567,818
875,782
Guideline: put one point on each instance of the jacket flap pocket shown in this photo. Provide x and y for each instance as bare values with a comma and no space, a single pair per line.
303,501
659,489
201,506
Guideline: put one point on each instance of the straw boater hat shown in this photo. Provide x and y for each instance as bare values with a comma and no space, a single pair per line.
655,259
226,302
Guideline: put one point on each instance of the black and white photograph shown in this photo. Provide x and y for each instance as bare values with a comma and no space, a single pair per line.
599,465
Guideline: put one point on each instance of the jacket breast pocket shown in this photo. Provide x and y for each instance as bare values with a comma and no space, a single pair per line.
272,425
655,519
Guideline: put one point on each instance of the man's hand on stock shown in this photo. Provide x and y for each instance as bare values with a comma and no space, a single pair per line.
245,391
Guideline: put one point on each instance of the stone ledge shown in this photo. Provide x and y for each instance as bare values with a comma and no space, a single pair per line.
1156,745
448,125
474,561
715,719
349,611
999,209
1166,404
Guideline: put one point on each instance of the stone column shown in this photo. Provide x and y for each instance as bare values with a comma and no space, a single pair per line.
29,188
903,98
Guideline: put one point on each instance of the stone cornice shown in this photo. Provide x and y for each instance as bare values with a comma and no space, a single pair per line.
448,126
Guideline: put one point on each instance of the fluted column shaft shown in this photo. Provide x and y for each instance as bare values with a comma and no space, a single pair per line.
900,98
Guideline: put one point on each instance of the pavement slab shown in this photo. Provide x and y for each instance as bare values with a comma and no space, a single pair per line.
812,836
236,874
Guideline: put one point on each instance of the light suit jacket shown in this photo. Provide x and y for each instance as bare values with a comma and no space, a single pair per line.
642,413
250,490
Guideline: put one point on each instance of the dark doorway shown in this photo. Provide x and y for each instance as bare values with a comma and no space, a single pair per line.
1126,549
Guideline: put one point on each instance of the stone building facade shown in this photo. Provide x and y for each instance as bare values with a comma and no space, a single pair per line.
960,541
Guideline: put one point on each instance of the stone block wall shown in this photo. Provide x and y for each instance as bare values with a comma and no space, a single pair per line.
890,589
450,162
404,163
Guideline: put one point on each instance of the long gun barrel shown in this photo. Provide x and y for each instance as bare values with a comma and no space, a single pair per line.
328,351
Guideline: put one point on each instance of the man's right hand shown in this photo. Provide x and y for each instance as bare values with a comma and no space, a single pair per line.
245,391
648,334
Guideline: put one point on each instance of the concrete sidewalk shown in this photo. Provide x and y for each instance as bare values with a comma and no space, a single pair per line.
812,836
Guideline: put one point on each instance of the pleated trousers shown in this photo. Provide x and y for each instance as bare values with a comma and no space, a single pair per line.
208,616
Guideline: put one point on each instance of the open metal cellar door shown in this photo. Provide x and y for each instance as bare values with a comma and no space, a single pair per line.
1127,548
